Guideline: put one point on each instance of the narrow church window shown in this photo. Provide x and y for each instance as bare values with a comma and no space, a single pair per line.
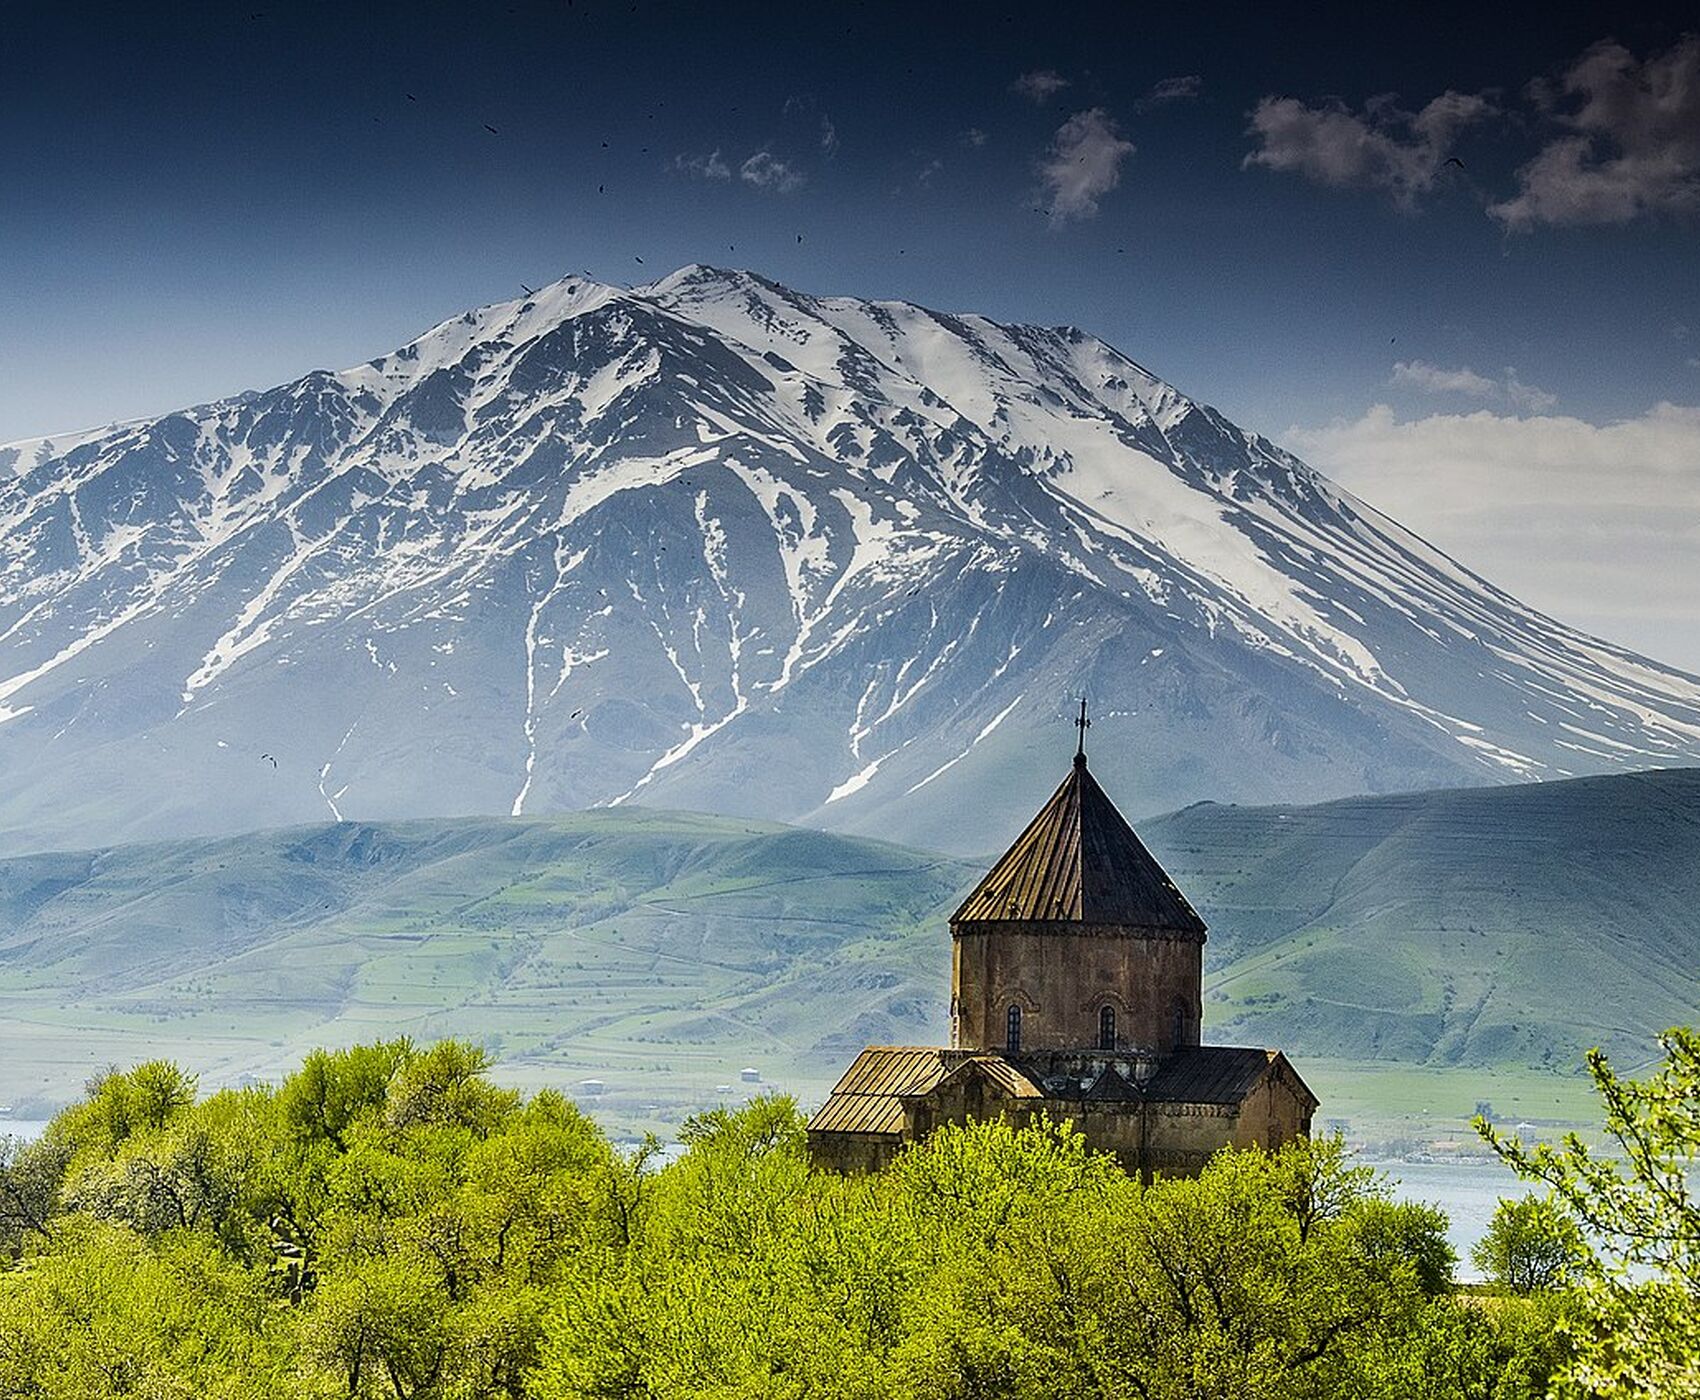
1107,1028
1180,1035
1012,1031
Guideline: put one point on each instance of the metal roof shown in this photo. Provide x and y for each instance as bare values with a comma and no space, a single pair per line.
1210,1074
869,1098
1002,1071
866,1099
1080,862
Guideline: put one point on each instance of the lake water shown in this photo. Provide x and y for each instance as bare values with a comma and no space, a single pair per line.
1468,1192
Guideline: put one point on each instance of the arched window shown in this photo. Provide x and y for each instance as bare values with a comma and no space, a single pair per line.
1181,1023
1012,1030
1107,1028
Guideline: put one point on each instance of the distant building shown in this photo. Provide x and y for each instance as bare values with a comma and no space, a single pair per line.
1077,975
750,1074
592,1088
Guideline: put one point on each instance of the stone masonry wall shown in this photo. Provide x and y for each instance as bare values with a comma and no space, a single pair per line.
1062,981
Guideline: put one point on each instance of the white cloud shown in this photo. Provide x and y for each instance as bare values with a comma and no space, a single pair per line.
1039,86
1084,164
973,136
1381,147
1632,142
1626,146
1510,459
1597,524
1433,379
1525,396
1182,89
767,171
709,167
828,135
1436,380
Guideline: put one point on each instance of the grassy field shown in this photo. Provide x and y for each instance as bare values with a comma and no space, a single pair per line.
1416,955
1484,927
659,953
1399,1110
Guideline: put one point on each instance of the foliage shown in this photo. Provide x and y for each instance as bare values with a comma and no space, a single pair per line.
995,1261
388,1224
1531,1246
1638,1329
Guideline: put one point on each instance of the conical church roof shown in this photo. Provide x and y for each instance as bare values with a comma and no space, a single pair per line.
1080,862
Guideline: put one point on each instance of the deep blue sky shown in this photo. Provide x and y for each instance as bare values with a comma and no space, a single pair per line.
202,199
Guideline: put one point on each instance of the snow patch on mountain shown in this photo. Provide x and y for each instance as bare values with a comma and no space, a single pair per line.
714,542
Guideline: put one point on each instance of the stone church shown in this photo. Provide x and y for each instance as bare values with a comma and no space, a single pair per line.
1076,991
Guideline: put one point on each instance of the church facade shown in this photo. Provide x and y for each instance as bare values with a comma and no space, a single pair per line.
1077,973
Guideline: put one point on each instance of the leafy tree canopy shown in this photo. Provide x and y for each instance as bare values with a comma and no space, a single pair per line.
389,1224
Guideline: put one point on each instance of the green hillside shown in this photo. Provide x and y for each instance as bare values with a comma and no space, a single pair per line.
1415,953
660,953
1487,926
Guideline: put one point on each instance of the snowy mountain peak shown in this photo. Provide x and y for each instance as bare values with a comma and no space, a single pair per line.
601,544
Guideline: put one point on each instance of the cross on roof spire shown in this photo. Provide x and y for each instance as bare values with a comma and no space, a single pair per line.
1082,724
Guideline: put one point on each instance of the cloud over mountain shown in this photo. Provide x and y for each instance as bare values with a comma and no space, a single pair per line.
1083,165
767,171
1381,146
1435,380
1599,521
1631,145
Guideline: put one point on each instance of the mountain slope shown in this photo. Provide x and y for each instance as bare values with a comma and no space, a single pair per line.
715,544
1468,933
663,951
1514,925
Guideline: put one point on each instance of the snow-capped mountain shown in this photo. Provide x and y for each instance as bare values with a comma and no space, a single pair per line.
712,543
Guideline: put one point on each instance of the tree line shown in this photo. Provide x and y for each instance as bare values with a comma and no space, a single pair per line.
389,1222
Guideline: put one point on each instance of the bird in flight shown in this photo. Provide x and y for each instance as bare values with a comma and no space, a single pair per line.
1452,160
529,291
267,758
492,130
640,260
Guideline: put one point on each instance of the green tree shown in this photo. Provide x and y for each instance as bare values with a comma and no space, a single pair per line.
991,1260
388,1225
106,1314
1638,1331
1531,1246
30,1175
